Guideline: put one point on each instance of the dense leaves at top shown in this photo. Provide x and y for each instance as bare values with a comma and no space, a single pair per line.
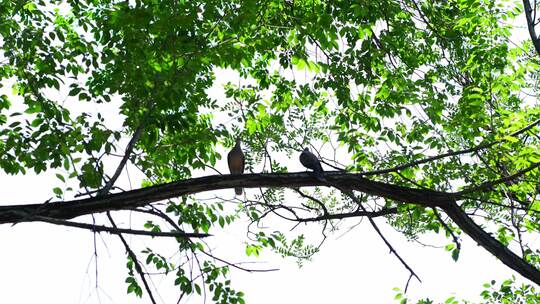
382,83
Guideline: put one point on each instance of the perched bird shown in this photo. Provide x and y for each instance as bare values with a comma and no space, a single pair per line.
236,161
310,161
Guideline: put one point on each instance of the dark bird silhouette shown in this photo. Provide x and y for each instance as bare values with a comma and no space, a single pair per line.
310,161
236,161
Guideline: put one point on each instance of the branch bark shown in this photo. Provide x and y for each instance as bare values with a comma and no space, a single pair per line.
489,243
354,181
530,25
145,196
129,149
112,230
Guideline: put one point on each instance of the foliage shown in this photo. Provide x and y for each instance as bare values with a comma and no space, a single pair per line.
508,292
378,83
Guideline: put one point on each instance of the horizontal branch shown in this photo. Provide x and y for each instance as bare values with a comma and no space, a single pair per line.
340,216
451,153
141,197
112,230
490,184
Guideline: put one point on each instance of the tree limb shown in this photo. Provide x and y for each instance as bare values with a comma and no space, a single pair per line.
530,25
490,184
451,153
111,230
350,194
127,154
141,197
484,239
145,196
133,257
340,216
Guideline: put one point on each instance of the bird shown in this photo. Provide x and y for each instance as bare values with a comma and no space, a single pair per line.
236,161
310,161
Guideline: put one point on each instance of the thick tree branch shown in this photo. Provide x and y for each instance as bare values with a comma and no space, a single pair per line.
142,197
145,196
530,25
484,239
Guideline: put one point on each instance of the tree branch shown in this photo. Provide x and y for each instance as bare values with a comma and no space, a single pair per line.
350,194
317,201
340,216
451,153
141,197
490,184
127,154
133,257
145,196
111,230
448,230
484,239
530,25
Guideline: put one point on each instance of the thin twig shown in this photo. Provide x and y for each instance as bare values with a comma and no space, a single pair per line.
321,204
350,194
490,184
447,228
127,154
133,257
115,230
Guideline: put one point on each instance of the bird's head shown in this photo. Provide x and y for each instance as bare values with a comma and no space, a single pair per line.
238,141
306,149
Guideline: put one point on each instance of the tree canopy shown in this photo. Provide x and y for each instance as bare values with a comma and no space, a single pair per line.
422,112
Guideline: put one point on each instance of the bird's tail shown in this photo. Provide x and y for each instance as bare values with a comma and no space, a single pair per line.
238,191
320,177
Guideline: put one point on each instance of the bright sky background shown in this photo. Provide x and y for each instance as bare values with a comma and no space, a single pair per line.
43,263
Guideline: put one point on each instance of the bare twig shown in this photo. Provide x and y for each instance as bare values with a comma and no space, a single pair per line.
127,154
351,195
235,265
321,204
447,228
116,230
490,184
133,257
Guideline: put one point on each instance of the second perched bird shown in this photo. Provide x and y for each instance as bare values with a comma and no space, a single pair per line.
236,161
310,161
